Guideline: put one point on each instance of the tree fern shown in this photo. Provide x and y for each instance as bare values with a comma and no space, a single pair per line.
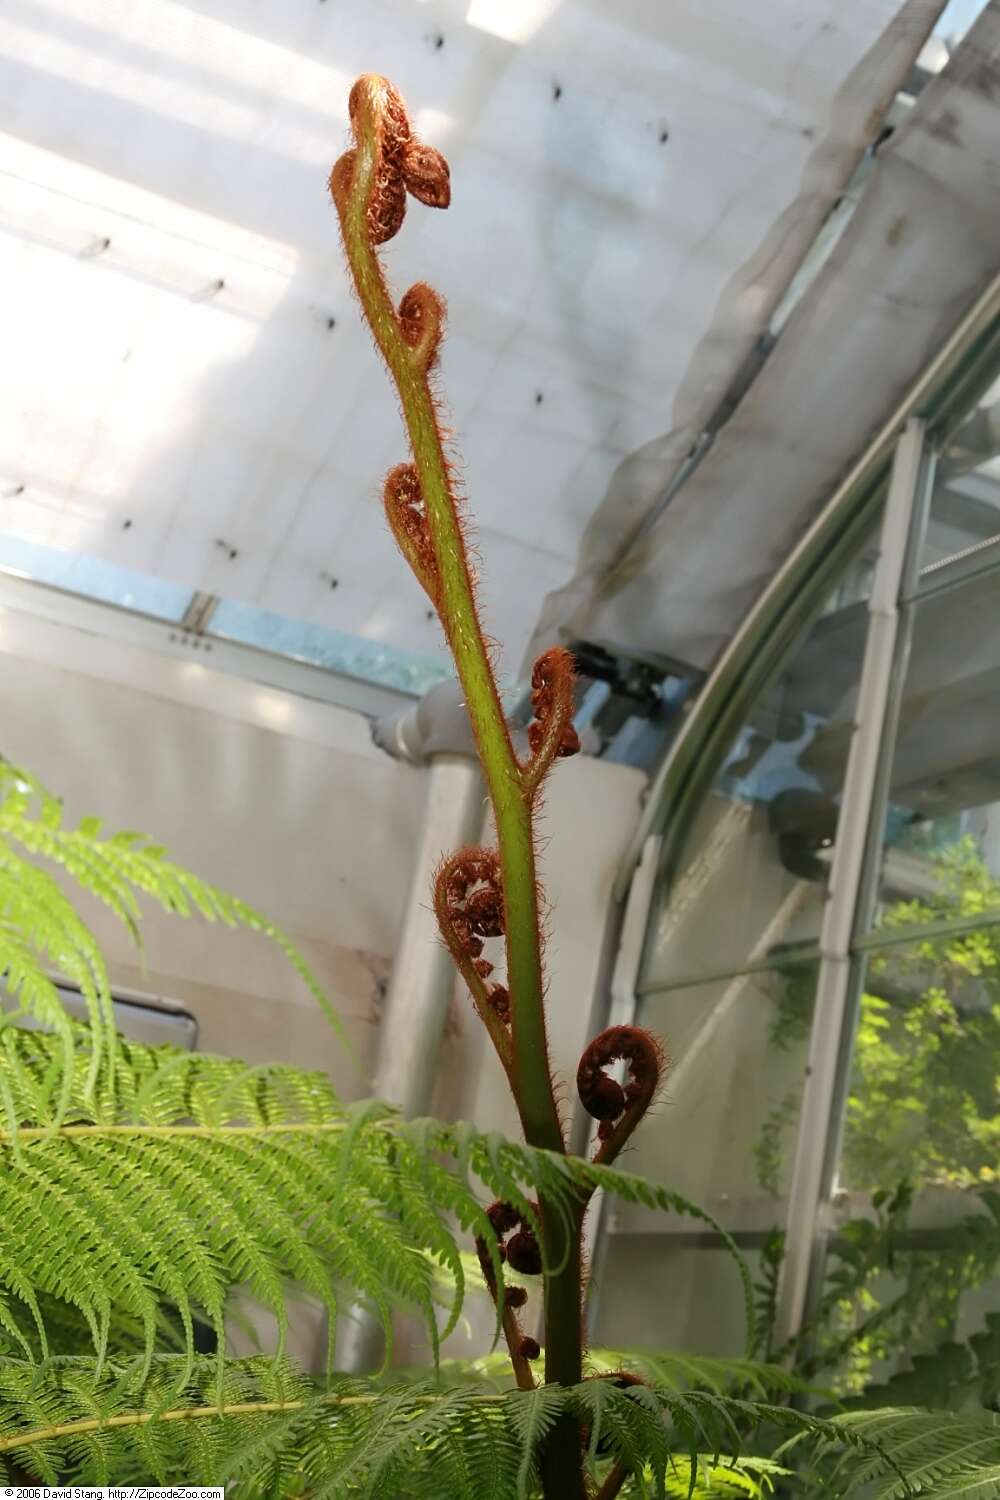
142,1189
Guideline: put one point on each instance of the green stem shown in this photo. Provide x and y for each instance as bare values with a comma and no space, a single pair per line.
561,1459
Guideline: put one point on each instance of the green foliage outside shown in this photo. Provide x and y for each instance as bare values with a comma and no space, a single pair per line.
925,1101
923,1112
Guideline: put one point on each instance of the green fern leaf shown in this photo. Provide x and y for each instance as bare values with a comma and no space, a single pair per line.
533,1414
715,1481
269,1434
935,1453
222,1176
680,1372
117,870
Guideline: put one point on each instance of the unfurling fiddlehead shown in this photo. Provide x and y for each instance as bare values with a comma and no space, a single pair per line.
468,904
407,516
479,893
619,1108
551,734
369,186
521,1252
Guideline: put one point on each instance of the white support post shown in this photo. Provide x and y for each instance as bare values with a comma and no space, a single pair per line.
420,989
621,1012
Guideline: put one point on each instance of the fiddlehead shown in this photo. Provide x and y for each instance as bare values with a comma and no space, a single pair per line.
468,904
407,516
551,734
619,1108
421,321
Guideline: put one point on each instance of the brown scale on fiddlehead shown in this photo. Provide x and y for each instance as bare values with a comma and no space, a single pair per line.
499,999
407,516
619,1109
421,318
469,897
551,734
468,903
426,174
520,1250
405,165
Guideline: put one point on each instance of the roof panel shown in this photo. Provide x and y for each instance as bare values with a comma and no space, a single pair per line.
185,354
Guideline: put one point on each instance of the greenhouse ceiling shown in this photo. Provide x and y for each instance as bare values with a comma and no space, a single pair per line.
187,389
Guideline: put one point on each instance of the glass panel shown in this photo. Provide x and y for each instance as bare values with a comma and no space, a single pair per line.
659,1294
964,519
93,578
910,1306
754,869
910,1313
351,655
941,841
725,1133
924,1092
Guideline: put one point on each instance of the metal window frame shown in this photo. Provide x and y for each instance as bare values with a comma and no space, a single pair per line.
947,385
837,982
130,627
901,457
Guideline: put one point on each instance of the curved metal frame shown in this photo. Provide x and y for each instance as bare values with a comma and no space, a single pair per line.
942,392
931,411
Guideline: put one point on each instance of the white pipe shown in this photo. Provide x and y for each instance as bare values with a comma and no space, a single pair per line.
420,990
423,974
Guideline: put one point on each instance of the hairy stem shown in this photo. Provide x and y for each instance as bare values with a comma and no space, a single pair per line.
365,191
533,1082
511,1328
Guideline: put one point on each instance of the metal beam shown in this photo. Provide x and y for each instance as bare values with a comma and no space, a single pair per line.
201,608
833,984
133,628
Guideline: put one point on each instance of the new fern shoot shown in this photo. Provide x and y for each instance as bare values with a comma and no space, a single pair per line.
481,893
144,1191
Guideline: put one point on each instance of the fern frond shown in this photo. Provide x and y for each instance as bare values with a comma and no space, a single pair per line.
937,1453
215,1175
681,1371
159,1085
117,870
666,1370
268,1433
39,925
